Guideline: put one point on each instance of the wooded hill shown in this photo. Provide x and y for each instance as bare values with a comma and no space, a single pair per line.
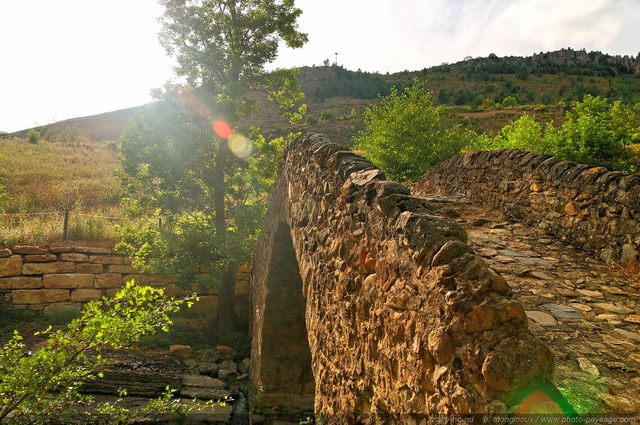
473,90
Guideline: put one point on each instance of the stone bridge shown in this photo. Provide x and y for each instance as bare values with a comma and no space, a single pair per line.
372,304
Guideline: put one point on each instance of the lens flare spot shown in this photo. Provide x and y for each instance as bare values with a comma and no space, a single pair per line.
240,145
222,129
539,402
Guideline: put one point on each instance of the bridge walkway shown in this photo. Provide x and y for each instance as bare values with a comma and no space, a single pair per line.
587,311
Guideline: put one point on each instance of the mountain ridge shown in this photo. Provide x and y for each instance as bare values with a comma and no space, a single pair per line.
322,82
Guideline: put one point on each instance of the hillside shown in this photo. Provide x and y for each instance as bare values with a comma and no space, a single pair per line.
472,90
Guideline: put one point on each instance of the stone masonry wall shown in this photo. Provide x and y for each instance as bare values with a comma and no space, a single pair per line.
590,207
58,277
403,318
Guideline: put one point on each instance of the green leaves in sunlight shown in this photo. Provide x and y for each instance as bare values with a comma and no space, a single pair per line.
36,386
404,136
595,131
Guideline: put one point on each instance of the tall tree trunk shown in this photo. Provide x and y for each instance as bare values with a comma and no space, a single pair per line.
226,302
226,292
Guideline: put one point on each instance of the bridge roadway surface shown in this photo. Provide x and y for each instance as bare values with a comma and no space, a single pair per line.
588,312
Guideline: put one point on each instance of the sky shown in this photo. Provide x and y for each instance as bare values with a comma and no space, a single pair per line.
70,58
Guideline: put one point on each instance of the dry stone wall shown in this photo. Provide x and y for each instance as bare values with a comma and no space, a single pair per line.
58,277
590,207
402,317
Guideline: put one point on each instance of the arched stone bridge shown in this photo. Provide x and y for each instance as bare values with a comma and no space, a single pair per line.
370,303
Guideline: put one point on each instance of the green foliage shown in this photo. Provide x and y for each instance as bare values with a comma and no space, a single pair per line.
356,84
201,197
595,131
37,386
598,132
525,134
172,167
73,135
329,115
509,102
404,136
33,136
222,46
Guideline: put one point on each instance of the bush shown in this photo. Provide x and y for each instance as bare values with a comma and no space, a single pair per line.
33,136
39,386
509,102
311,120
594,132
329,115
404,136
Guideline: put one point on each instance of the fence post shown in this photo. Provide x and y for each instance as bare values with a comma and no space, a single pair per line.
65,226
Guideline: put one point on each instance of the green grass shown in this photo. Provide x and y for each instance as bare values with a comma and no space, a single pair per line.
57,176
47,178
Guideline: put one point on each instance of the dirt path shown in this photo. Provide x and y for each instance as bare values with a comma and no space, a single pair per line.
585,310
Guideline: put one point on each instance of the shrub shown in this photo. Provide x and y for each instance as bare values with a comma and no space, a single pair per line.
311,120
509,102
329,115
39,386
33,136
404,136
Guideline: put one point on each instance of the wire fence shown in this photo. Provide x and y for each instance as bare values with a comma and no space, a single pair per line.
56,225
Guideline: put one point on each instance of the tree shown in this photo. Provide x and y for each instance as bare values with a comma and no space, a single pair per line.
404,136
598,132
39,386
205,190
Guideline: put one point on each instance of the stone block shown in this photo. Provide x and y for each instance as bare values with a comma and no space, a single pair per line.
121,268
60,249
30,249
11,266
85,295
106,259
89,268
181,351
69,281
40,258
108,280
39,296
5,252
92,249
48,268
21,282
74,257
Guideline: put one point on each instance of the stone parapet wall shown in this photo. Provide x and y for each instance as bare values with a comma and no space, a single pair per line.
402,317
54,277
590,207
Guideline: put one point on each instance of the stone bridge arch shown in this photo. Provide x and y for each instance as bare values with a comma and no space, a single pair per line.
366,303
